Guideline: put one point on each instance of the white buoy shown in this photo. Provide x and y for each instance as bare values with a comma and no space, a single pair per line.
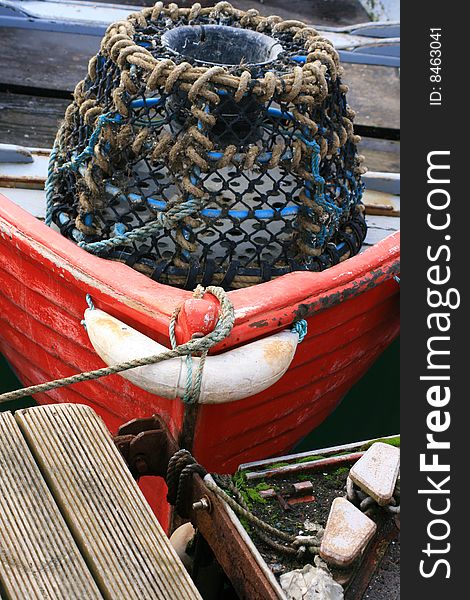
180,539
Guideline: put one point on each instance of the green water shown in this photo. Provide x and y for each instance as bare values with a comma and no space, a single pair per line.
8,382
371,408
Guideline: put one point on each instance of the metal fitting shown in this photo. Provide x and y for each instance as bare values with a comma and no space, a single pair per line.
203,504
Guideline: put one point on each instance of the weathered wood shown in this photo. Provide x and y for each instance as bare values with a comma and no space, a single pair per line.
374,93
31,175
229,547
121,539
379,227
30,120
380,155
381,203
45,59
38,556
326,12
57,61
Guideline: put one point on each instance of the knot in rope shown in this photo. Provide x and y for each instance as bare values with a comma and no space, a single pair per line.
181,468
222,329
301,328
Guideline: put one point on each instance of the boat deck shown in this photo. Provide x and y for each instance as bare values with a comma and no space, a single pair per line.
74,523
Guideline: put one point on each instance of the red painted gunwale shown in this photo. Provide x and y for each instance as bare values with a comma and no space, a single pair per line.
352,310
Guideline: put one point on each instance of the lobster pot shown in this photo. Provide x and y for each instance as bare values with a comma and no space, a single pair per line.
210,146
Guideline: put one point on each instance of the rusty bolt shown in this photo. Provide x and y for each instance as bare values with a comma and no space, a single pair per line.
140,465
203,504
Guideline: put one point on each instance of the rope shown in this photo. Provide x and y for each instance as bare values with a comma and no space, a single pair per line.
165,220
51,181
182,466
367,504
222,329
193,389
301,328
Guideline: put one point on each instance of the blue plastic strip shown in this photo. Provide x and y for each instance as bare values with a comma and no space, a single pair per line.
147,102
215,213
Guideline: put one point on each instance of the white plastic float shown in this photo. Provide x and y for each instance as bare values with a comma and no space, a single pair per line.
232,375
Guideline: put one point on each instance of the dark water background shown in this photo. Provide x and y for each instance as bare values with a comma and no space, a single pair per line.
370,409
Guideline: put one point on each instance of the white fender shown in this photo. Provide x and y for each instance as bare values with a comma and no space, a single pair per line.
180,539
226,377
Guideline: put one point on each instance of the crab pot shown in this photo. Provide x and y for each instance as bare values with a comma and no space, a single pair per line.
212,146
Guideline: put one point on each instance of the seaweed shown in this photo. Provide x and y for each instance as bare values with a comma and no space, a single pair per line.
393,441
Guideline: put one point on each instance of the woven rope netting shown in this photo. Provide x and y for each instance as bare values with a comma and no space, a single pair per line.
210,146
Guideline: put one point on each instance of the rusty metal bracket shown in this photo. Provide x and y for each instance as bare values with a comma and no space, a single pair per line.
146,445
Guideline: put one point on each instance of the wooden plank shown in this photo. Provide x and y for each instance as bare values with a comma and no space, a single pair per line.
32,175
380,155
124,545
30,120
374,93
381,203
57,61
378,227
38,556
45,59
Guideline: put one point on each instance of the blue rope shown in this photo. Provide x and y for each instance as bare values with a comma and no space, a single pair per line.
164,220
89,301
301,328
90,149
321,197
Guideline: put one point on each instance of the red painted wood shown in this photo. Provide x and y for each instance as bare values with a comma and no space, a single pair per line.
352,310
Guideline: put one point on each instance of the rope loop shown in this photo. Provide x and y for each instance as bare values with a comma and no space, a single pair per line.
193,383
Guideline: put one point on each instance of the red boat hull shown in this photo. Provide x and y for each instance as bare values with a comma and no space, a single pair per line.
352,311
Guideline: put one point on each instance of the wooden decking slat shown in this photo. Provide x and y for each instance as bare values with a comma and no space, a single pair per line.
38,556
127,550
